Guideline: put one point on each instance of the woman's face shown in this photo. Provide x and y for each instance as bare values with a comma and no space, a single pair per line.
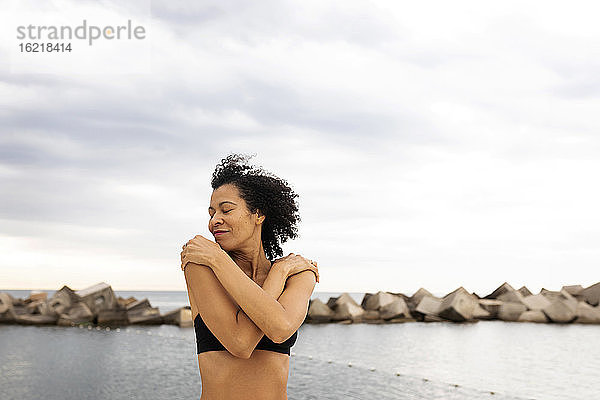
231,223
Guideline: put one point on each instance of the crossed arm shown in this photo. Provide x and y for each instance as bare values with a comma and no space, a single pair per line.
276,310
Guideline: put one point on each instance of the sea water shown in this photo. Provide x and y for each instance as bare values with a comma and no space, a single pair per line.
483,360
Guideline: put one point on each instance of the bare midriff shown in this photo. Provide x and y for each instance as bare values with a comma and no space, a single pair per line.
263,376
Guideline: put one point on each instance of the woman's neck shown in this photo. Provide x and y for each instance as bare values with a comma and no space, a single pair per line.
252,261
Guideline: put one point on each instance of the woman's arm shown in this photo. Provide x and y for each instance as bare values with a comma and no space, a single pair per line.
251,334
240,335
220,271
261,307
290,310
236,332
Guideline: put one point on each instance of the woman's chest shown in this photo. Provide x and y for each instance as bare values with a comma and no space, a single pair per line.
259,279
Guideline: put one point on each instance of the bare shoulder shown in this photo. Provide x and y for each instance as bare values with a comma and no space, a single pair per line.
305,278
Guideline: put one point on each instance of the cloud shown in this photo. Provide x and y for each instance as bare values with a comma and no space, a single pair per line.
431,149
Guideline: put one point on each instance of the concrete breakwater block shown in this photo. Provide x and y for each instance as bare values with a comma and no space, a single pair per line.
98,304
36,295
140,312
35,319
458,306
573,290
569,300
429,305
333,302
550,294
8,317
35,307
6,302
144,316
62,300
112,318
524,291
181,317
562,308
591,294
433,318
492,306
511,311
587,314
125,301
319,312
79,313
7,314
559,312
480,312
397,308
511,296
377,301
370,316
99,297
415,299
58,304
348,310
533,316
95,304
536,302
504,288
138,305
345,308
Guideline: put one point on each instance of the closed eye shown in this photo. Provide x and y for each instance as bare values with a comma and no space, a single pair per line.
224,212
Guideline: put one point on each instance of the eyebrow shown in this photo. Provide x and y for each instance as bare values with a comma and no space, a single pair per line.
223,202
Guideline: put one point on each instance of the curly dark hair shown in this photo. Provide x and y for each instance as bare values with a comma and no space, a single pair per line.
262,191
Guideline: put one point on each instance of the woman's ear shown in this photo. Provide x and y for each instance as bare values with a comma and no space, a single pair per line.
261,218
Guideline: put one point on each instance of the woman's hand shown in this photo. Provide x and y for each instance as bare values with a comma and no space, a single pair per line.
200,250
293,264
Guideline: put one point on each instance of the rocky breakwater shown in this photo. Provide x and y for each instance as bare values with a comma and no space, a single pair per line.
571,304
96,305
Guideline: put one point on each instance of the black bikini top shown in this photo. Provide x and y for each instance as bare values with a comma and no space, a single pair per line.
206,341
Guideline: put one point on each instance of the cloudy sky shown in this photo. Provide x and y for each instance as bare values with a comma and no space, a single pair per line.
433,144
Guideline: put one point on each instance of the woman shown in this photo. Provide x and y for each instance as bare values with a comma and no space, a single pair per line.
246,308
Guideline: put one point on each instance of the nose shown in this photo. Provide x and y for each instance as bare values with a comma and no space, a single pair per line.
216,219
